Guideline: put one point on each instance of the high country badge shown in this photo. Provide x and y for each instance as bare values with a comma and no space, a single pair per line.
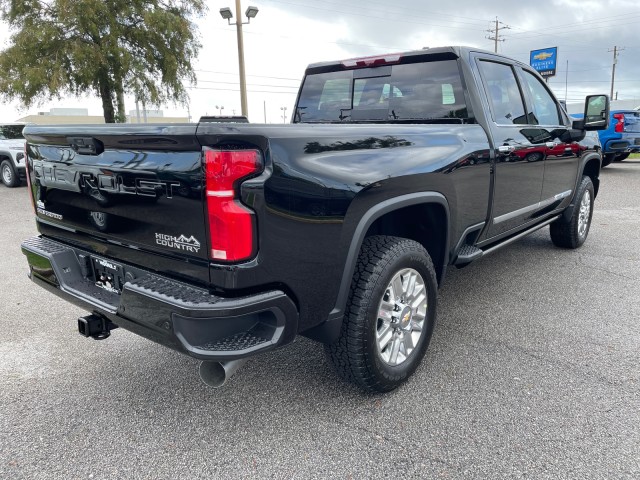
183,243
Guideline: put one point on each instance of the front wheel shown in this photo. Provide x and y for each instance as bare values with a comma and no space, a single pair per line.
389,317
8,174
572,232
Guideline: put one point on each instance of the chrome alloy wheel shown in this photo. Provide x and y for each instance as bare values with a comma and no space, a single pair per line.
401,316
585,212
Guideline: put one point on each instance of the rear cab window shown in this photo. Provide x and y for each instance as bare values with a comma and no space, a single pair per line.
415,92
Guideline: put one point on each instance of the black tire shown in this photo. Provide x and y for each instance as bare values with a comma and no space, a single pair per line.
622,156
8,174
572,232
607,158
356,355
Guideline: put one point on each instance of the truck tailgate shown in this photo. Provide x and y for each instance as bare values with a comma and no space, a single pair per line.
632,122
137,187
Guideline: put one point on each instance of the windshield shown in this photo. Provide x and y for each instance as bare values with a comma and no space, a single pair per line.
419,91
11,132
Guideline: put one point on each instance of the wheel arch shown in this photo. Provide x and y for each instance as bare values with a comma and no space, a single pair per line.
390,218
591,169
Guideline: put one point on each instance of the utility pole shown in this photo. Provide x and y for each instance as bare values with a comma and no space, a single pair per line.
496,33
615,51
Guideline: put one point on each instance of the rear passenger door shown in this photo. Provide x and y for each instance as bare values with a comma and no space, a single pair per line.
519,156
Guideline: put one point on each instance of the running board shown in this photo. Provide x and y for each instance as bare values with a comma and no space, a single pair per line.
470,253
467,254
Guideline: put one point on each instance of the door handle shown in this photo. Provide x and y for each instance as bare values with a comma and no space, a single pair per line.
506,148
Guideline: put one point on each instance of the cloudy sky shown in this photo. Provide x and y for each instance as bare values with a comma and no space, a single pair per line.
289,34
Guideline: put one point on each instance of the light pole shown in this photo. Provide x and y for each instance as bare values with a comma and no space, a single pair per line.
220,108
226,14
284,114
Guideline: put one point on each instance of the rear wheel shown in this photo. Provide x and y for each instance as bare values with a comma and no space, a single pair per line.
390,314
8,174
572,232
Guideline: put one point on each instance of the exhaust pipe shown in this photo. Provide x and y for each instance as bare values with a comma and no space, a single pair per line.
216,374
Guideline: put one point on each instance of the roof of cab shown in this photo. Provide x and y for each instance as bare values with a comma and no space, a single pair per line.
429,54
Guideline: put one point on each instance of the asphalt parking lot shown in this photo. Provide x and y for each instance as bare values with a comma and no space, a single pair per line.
533,372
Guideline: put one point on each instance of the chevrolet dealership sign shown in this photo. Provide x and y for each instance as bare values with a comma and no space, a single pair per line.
544,61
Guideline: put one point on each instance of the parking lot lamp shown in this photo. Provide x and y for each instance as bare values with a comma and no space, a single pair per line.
226,14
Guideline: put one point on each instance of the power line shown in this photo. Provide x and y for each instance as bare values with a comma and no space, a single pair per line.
333,43
362,15
385,8
259,76
566,28
237,90
252,84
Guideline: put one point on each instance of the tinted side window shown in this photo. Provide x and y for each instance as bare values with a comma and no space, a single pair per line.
504,94
545,109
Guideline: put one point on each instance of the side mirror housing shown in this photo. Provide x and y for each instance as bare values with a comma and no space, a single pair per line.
596,113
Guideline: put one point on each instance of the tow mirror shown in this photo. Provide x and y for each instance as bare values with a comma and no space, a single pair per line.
596,113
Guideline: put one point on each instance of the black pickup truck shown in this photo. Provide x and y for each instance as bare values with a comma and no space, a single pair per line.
224,240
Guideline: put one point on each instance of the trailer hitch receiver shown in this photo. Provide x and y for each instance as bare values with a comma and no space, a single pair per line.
95,326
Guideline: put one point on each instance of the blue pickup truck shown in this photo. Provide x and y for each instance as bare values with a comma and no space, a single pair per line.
622,138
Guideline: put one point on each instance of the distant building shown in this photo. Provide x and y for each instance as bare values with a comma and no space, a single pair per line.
80,116
153,116
63,116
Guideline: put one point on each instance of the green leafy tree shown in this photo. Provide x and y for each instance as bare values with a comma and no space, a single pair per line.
105,47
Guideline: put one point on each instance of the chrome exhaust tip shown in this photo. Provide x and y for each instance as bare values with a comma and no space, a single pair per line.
216,374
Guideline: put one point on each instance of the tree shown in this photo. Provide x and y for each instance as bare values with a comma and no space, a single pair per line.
106,47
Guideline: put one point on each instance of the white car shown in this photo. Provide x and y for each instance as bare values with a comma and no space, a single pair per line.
12,166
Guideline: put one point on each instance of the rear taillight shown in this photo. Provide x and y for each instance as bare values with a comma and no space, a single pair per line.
232,228
619,126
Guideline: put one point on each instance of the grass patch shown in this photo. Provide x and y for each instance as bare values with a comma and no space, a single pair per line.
634,156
